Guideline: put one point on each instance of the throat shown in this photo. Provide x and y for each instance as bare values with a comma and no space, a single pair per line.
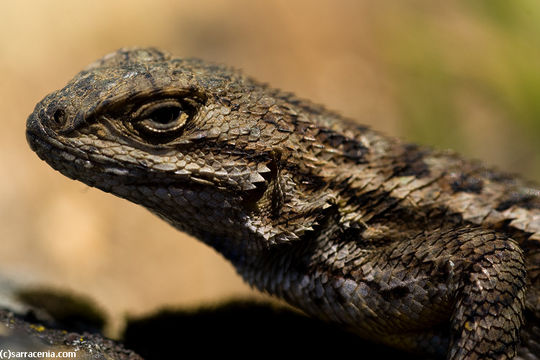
273,270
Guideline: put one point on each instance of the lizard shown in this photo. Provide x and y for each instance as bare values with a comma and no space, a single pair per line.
415,248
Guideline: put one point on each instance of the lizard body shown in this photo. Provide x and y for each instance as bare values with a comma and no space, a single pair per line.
407,246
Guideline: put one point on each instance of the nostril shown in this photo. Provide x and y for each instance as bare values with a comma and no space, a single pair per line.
59,117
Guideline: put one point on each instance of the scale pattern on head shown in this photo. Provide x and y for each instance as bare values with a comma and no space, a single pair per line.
167,133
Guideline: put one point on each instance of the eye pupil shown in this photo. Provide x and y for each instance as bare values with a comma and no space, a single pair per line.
162,120
165,115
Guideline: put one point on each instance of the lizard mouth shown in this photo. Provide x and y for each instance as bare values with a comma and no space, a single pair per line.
69,160
35,132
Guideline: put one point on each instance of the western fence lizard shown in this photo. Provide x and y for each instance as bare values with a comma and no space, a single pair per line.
415,248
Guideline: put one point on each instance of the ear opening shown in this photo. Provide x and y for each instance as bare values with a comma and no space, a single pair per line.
267,197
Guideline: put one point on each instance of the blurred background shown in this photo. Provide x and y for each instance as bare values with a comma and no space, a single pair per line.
462,75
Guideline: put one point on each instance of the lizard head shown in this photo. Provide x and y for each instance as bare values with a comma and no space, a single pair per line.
211,151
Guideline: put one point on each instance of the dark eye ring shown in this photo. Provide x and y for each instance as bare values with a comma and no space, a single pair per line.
164,117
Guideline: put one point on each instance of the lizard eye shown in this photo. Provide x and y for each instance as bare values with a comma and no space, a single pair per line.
162,120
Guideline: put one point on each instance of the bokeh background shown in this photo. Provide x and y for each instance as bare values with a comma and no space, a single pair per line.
460,74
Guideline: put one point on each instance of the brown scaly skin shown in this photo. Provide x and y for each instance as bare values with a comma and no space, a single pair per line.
414,248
